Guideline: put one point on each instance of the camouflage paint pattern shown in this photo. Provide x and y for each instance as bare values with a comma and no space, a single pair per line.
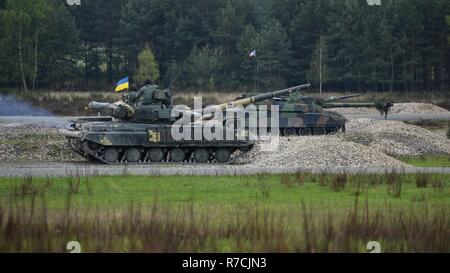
306,119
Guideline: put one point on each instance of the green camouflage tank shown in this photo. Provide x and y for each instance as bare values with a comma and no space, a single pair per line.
142,133
299,115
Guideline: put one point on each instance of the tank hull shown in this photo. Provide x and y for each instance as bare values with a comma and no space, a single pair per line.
323,123
308,123
115,142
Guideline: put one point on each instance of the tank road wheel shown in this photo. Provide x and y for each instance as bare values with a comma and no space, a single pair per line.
305,132
201,155
177,155
133,155
155,155
111,155
319,131
289,132
223,155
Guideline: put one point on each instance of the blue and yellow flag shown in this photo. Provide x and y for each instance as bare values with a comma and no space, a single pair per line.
122,84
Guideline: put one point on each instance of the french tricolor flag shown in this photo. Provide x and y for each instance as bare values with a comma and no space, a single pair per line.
252,54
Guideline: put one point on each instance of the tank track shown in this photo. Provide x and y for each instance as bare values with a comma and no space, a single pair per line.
311,131
83,149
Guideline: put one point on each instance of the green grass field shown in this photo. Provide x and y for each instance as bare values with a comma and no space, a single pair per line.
271,190
428,161
263,213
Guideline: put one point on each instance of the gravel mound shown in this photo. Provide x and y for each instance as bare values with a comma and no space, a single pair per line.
398,108
367,144
318,152
33,144
396,138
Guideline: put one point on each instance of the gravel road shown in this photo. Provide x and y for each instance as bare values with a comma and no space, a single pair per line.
64,169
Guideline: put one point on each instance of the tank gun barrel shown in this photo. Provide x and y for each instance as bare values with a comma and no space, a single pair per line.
261,97
349,105
119,109
247,101
382,107
330,99
278,93
101,106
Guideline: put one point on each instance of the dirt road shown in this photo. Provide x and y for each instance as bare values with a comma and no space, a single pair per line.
64,169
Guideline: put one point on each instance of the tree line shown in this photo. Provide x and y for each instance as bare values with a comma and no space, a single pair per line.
401,45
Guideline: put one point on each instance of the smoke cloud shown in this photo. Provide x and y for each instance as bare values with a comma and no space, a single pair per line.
10,106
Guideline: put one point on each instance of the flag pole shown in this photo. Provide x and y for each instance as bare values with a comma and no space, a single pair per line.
256,77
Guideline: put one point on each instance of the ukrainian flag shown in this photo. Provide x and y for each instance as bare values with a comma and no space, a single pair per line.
122,84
